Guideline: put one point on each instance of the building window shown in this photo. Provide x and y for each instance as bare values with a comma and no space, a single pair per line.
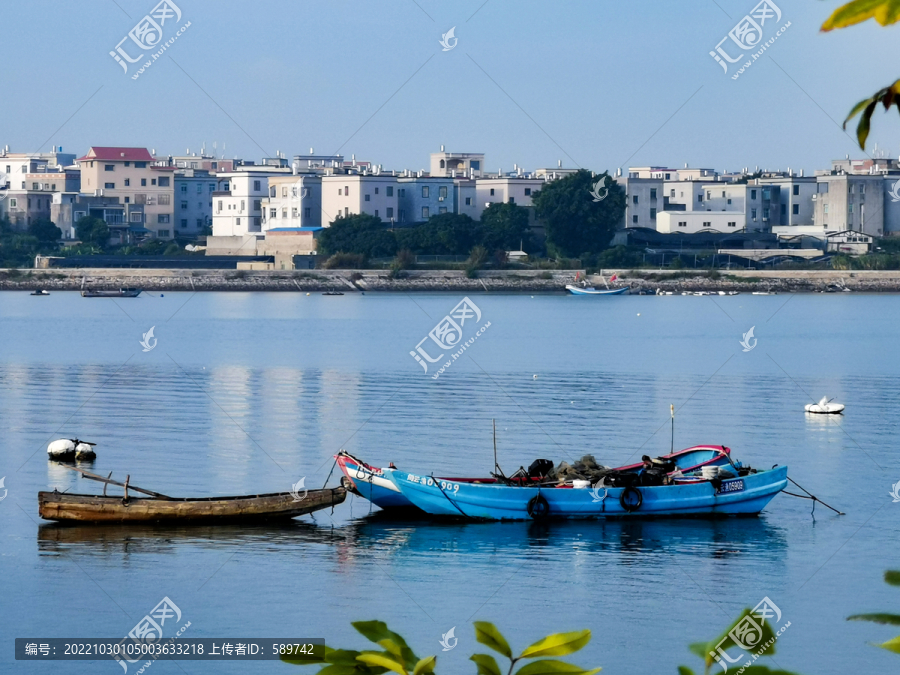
668,177
199,222
162,217
443,164
707,223
257,186
13,202
442,191
862,188
752,194
732,223
109,167
634,199
273,213
284,212
652,214
140,165
184,206
293,212
162,234
425,215
729,201
634,220
672,194
127,182
143,182
376,191
184,222
753,214
849,208
390,212
512,200
272,193
826,209
795,209
152,181
492,192
682,223
425,191
136,217
442,209
307,212
796,190
367,198
199,188
220,206
346,191
390,191
468,201
376,213
108,186
766,213
164,200
723,193
257,204
212,187
284,191
699,198
184,187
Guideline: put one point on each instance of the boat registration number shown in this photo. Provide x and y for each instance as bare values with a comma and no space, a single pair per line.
428,481
731,486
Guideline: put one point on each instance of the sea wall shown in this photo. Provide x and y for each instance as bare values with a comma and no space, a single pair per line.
440,280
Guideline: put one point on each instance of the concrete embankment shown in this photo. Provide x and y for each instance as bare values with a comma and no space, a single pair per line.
348,281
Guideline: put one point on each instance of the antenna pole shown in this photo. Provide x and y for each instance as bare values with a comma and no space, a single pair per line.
496,466
672,410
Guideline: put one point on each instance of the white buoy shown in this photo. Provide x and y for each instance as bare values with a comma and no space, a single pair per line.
534,377
70,449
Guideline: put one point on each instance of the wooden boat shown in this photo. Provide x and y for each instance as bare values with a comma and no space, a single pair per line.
157,507
745,494
40,291
375,483
332,293
119,293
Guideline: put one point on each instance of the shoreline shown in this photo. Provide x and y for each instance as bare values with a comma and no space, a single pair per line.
541,281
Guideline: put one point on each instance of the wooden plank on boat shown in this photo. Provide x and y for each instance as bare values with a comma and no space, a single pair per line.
109,481
98,509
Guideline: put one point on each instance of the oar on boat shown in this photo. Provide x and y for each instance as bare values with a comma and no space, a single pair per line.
110,481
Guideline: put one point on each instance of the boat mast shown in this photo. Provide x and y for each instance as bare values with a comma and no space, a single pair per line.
672,410
496,466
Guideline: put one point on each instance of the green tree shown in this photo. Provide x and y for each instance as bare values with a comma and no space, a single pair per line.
576,223
358,233
45,231
92,230
443,234
505,226
885,12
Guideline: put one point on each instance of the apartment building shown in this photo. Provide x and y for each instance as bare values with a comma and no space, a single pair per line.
194,190
506,190
145,191
16,164
349,194
464,197
850,202
294,201
237,203
23,207
796,198
420,197
452,164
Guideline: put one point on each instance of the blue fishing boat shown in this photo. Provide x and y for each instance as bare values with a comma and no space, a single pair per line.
590,290
743,495
375,483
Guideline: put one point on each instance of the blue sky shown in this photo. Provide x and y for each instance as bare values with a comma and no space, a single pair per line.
595,83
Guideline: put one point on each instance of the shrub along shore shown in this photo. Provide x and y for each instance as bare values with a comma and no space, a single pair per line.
350,281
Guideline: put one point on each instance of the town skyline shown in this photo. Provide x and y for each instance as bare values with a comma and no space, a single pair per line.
507,88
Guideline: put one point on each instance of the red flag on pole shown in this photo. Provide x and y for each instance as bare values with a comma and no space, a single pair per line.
614,277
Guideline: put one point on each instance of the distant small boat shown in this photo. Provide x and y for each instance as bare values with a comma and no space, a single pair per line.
825,407
764,293
120,293
40,291
332,293
590,290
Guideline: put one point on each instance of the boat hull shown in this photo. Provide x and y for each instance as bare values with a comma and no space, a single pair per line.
747,495
121,293
99,509
577,290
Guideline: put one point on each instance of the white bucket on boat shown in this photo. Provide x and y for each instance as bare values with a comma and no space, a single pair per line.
581,484
709,472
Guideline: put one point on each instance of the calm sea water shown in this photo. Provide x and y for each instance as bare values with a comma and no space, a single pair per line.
247,393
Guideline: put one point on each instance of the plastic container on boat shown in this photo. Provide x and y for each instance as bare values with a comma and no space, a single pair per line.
581,484
709,472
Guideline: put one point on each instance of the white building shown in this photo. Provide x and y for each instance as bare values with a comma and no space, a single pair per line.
294,201
237,204
452,164
348,194
194,190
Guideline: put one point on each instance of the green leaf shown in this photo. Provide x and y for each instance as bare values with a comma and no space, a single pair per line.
378,632
487,664
684,670
725,641
857,108
426,665
865,121
699,649
884,12
893,576
892,645
319,654
886,619
558,644
343,657
487,634
552,666
383,660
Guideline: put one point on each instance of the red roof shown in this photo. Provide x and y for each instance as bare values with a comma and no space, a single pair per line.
118,154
